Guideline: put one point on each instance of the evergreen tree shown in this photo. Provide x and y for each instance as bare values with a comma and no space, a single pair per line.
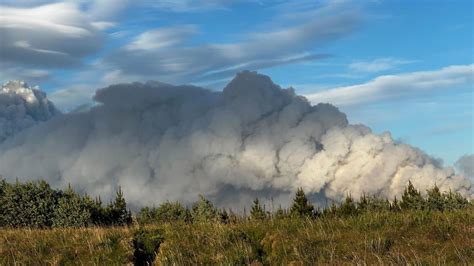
412,199
117,211
372,204
395,205
347,207
167,212
301,206
435,200
455,201
30,204
203,211
257,212
3,188
71,211
280,213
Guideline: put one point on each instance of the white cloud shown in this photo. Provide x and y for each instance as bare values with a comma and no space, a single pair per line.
396,86
377,65
168,54
52,35
160,38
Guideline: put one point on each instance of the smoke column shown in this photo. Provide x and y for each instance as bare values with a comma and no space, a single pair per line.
21,107
161,142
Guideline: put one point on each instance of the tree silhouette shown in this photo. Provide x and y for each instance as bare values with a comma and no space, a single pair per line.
301,206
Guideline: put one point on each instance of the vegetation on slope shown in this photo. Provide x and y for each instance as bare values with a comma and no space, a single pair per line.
434,229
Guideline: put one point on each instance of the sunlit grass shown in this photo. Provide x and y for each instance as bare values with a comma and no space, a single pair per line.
411,237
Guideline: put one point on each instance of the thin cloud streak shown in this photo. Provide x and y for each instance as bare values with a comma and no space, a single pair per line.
396,86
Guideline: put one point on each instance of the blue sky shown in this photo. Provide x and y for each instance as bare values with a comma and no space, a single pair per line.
399,66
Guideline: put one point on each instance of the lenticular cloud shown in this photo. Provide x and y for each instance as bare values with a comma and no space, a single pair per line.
162,142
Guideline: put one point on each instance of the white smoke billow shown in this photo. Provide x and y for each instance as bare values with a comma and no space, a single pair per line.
22,107
162,142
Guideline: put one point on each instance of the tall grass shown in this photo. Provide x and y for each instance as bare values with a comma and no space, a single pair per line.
406,237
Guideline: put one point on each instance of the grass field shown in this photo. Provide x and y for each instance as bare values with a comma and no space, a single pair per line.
410,237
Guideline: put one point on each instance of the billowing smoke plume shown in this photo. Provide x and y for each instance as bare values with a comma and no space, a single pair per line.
162,142
465,164
22,107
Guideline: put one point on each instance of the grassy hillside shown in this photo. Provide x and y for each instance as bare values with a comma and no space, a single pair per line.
415,237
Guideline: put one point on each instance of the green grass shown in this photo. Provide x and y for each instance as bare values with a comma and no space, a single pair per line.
410,237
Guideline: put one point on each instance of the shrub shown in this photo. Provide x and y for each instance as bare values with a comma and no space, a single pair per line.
146,243
166,213
71,211
204,211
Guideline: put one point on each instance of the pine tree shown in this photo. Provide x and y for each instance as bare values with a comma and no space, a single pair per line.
118,213
395,205
455,201
203,211
280,213
71,211
301,206
257,212
435,200
347,207
412,199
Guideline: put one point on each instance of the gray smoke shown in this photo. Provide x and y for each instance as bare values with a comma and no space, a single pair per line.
21,107
162,142
465,164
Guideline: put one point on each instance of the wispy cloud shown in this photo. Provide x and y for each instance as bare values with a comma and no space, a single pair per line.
396,86
378,65
169,54
53,35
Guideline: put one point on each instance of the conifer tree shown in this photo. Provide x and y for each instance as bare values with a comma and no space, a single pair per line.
435,200
71,211
411,198
395,205
257,212
203,211
347,207
455,201
118,213
301,206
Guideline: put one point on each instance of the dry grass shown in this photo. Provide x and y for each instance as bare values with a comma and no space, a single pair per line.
69,246
380,238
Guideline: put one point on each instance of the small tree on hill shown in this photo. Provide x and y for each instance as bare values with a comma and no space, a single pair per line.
117,210
455,201
435,200
71,210
411,198
203,211
347,207
257,212
395,205
301,206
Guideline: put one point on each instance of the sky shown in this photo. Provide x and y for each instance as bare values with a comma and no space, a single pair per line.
400,66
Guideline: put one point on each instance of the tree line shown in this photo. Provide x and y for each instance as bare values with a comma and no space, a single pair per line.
35,204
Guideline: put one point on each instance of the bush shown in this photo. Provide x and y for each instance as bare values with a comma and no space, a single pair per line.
167,212
146,243
37,205
204,211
